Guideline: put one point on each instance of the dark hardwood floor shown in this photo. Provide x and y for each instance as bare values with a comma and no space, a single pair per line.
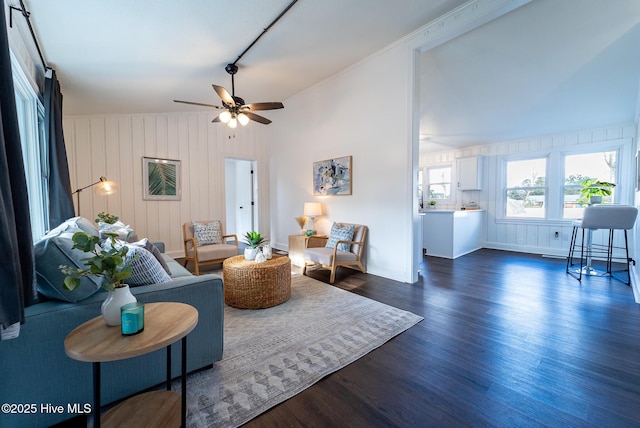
507,340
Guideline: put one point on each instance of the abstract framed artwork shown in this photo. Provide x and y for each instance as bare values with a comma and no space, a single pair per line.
161,179
332,177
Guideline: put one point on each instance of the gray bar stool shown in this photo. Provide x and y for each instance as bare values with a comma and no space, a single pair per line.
601,216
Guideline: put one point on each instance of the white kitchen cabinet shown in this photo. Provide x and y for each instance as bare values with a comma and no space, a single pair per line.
451,234
469,173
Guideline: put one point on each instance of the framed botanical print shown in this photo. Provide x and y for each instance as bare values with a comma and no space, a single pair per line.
161,179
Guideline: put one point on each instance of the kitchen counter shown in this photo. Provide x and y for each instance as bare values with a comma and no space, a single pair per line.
452,233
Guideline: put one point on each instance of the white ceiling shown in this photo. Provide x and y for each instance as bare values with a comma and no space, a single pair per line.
549,66
124,56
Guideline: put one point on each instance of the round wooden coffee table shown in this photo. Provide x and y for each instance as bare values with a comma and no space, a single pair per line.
252,285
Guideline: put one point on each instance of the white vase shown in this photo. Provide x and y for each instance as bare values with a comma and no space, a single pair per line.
250,253
111,305
266,250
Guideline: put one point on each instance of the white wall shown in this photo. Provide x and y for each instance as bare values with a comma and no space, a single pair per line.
364,113
535,236
369,111
113,146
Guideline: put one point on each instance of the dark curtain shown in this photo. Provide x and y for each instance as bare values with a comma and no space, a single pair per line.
17,266
60,200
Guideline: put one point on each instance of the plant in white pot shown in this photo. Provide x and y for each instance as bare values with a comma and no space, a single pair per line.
108,263
253,239
593,190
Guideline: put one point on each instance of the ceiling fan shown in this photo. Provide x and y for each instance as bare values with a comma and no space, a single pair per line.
235,109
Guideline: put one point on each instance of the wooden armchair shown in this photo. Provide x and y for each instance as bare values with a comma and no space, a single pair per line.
209,253
317,254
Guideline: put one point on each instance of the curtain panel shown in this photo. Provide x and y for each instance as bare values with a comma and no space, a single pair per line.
60,196
17,270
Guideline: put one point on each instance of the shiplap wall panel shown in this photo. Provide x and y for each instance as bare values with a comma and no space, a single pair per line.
526,235
113,146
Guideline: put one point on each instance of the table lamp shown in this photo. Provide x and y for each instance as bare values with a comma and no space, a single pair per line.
312,210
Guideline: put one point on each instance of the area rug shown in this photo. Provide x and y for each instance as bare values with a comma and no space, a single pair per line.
272,354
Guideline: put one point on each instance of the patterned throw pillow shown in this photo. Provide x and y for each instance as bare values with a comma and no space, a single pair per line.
341,234
148,245
124,232
205,234
146,268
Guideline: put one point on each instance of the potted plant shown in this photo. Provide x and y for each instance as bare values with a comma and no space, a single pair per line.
253,239
106,218
109,264
432,204
593,190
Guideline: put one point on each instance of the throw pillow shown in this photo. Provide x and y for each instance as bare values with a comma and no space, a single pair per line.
124,232
338,233
207,233
148,245
146,268
54,250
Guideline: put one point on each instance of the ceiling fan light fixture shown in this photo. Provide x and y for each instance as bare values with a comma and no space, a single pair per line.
243,119
233,123
225,116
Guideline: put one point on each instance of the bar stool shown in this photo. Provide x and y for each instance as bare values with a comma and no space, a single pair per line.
601,216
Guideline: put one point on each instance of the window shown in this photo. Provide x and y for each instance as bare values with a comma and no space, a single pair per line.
525,190
439,179
31,124
599,166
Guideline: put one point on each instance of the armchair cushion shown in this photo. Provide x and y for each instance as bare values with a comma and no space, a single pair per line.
340,233
207,233
214,252
324,256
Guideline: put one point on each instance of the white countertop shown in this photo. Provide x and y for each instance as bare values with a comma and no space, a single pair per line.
446,211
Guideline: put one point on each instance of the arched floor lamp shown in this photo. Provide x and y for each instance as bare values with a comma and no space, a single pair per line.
105,188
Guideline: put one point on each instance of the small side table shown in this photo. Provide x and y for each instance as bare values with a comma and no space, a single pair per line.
164,324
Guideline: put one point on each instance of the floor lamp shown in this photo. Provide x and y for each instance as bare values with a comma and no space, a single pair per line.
105,188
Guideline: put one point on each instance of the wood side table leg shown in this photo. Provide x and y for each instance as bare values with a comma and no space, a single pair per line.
96,395
184,382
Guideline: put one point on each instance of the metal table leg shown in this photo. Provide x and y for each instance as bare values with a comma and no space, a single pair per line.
96,395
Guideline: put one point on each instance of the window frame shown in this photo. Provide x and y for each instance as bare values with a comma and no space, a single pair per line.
616,180
427,185
30,112
505,189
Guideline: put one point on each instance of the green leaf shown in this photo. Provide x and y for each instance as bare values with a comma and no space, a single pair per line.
71,283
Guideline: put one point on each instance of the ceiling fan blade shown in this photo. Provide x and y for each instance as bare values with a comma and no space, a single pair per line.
224,95
196,104
216,119
257,118
265,106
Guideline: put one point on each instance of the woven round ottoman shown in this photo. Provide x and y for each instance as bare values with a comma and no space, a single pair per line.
252,285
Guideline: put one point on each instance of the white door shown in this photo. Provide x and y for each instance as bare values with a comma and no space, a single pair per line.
241,193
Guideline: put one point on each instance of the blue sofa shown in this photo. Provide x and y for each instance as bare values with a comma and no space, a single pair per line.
34,368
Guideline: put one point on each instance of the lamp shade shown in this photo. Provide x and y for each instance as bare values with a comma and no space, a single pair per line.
106,187
312,209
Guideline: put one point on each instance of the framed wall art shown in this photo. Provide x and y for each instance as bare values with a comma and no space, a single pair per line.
161,179
332,177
